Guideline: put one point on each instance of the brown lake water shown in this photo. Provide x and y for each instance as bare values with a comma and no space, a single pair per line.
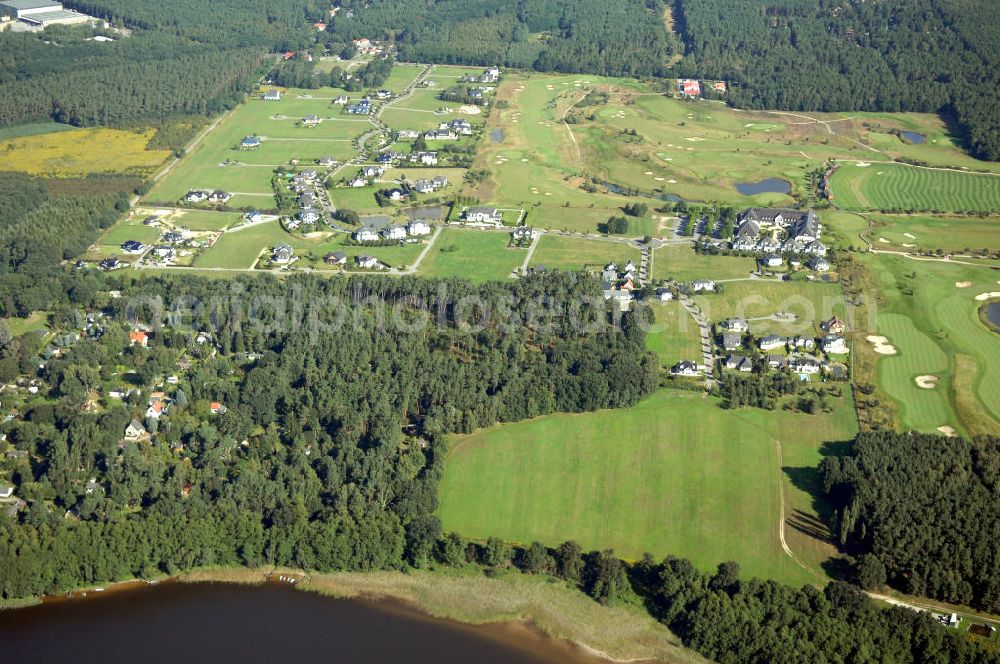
208,622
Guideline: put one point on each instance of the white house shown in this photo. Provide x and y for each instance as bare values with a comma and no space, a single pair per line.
736,325
427,158
834,344
282,254
483,215
773,261
418,227
684,368
365,234
700,285
771,342
358,182
366,262
272,95
196,196
664,294
394,233
308,216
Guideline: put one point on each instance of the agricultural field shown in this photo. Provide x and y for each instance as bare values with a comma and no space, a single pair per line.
675,474
883,186
79,152
473,254
929,314
756,301
929,233
682,263
675,335
574,253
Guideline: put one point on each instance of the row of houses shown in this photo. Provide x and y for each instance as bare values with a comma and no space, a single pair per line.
393,232
200,196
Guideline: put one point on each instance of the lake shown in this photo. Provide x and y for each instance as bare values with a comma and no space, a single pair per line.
768,186
209,622
913,137
993,313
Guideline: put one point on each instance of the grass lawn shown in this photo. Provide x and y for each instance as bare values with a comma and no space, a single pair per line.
882,186
675,474
927,233
934,325
473,254
205,220
682,263
574,253
675,336
120,233
589,219
33,129
77,152
38,320
811,302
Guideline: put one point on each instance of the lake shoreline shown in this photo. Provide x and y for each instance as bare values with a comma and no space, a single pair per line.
533,630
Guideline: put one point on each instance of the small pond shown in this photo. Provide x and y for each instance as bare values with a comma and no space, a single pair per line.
993,313
913,137
768,186
496,135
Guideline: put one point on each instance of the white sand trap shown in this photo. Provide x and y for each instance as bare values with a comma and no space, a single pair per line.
690,149
947,430
926,382
668,159
862,164
909,245
658,179
670,145
882,239
548,193
881,345
525,159
648,173
672,181
962,284
912,237
694,138
987,296
748,125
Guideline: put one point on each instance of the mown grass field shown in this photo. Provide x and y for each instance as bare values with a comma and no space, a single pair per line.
239,250
78,152
929,313
475,255
810,302
574,253
675,474
881,186
590,219
682,263
928,233
675,336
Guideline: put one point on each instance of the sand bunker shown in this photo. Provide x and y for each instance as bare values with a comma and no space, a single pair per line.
962,284
909,245
862,164
911,236
672,181
658,179
648,173
926,382
881,345
694,138
882,239
987,296
947,430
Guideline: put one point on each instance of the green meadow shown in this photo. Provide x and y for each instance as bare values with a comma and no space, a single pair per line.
682,263
474,255
928,233
574,253
675,335
808,302
673,475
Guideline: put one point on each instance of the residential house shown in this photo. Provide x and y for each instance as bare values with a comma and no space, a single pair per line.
341,100
196,196
834,344
407,134
440,135
459,126
483,215
372,171
702,285
250,142
773,261
396,195
6,490
282,253
738,363
439,181
805,365
134,430
684,368
807,343
358,182
155,410
664,294
308,216
138,337
217,408
164,252
152,221
418,227
426,158
771,342
731,340
310,120
834,326
779,362
272,95
523,233
336,258
219,196
736,325
491,75
394,232
365,234
820,264
423,186
110,264
366,262
326,161
133,247
689,87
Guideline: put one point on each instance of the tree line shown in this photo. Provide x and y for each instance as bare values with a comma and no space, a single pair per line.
921,513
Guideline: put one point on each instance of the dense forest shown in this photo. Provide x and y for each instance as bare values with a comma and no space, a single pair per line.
831,55
922,513
614,37
328,452
182,57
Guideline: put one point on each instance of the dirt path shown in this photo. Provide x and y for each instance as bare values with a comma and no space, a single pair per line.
531,252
